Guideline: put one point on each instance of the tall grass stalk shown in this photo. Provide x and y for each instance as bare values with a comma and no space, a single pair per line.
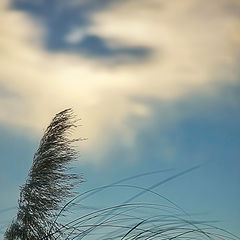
49,182
47,198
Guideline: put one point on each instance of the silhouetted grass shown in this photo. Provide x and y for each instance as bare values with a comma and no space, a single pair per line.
48,184
48,210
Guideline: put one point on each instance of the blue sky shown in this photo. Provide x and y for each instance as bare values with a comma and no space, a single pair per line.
155,83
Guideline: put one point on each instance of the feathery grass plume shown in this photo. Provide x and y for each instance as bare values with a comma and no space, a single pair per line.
49,184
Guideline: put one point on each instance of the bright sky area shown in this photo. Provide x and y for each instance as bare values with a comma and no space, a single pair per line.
155,83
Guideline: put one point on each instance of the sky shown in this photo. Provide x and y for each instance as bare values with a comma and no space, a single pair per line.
155,83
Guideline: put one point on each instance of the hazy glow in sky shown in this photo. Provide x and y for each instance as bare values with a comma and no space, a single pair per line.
190,46
129,69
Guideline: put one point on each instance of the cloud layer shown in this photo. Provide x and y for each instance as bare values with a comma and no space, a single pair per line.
193,47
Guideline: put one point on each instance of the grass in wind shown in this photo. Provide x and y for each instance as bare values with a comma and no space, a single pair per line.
48,196
48,184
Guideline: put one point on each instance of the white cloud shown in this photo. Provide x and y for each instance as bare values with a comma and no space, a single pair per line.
195,47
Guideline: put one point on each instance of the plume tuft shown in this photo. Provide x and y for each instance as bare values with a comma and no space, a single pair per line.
49,184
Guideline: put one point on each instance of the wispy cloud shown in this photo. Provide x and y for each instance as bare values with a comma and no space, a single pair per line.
193,46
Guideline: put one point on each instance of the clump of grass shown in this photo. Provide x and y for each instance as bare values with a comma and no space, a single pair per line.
49,182
48,194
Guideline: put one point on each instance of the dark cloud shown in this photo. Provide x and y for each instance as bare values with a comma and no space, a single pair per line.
97,47
60,18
